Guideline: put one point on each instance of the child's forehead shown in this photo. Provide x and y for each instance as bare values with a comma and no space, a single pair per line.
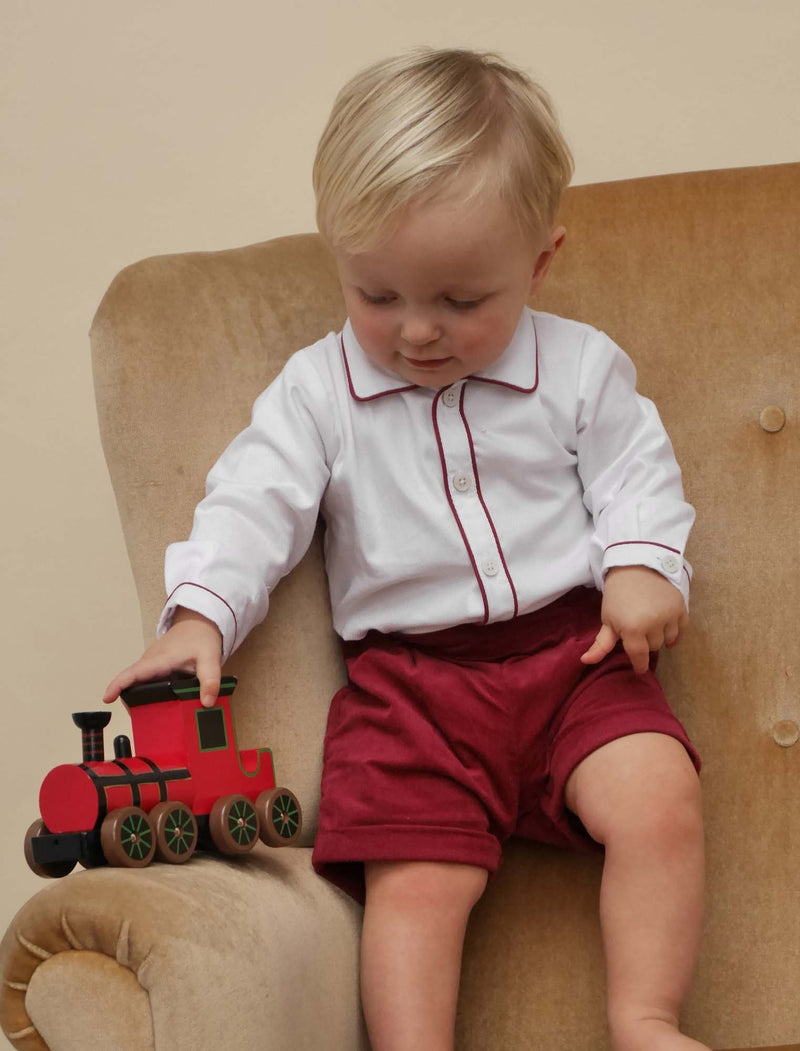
451,225
443,243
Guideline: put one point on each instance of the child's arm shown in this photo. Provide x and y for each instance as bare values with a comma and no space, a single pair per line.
643,610
261,507
632,488
193,644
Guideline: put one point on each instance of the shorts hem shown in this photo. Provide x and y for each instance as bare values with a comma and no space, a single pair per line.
667,726
339,855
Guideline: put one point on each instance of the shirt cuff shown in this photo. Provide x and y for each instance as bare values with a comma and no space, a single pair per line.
667,561
209,604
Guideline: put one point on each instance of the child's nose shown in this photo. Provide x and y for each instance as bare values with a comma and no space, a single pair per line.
419,330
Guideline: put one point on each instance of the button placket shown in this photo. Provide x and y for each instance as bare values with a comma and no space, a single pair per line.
457,454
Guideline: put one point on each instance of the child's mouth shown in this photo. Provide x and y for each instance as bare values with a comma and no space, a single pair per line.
427,363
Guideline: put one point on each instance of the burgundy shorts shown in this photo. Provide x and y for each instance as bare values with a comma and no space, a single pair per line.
445,744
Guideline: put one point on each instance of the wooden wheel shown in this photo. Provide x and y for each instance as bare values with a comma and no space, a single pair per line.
50,869
127,837
93,861
175,830
233,825
280,816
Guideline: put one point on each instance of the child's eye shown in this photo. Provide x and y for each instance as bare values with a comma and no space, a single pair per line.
464,304
376,301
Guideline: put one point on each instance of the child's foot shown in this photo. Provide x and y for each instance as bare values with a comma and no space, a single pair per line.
653,1035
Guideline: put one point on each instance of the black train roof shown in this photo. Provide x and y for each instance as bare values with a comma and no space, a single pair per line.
178,688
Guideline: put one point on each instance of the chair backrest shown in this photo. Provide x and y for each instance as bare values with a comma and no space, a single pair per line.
696,276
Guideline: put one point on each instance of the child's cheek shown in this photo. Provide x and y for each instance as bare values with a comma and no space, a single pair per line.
372,330
477,335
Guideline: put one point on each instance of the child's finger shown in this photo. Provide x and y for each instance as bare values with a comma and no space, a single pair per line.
112,691
671,634
143,670
603,644
119,683
638,650
209,673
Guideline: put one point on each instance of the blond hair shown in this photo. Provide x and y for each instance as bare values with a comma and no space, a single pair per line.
411,127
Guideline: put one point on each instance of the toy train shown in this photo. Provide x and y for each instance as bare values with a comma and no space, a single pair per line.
188,786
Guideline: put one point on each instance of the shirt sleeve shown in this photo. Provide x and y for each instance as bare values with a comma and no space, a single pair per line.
631,479
259,513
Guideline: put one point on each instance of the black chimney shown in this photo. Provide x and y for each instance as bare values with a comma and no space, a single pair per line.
91,725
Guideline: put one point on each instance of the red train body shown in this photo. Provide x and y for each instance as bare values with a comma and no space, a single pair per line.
187,784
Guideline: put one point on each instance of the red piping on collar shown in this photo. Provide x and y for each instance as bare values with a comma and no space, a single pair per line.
371,397
514,386
471,376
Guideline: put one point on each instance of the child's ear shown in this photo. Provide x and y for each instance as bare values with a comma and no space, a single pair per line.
545,257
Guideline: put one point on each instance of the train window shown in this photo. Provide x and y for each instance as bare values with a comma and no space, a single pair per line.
211,732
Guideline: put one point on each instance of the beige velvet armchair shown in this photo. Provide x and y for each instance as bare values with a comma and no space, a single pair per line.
697,276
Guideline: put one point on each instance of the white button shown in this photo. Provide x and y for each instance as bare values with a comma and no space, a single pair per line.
450,397
491,567
462,482
670,563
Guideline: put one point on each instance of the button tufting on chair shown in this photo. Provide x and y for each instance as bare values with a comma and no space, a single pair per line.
772,418
786,733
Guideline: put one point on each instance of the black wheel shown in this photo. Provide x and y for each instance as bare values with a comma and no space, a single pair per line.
93,861
175,830
281,817
233,825
50,869
127,837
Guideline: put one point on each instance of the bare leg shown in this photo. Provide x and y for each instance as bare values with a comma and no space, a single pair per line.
414,923
640,796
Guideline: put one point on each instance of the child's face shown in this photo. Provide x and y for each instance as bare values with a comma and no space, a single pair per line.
442,297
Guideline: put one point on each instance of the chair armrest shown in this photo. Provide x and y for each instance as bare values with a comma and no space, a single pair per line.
252,952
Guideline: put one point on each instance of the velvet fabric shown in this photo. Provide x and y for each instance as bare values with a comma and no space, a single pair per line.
695,275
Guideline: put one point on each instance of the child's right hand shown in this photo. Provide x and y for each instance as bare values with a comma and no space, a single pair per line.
192,644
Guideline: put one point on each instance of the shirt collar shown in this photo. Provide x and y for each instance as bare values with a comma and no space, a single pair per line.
517,367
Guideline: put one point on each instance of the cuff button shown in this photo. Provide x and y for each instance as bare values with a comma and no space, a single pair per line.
670,563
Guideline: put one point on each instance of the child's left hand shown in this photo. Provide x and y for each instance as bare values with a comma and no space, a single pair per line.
641,608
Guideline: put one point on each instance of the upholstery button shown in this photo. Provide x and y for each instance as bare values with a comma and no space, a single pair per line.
462,482
491,567
786,733
772,419
450,397
670,563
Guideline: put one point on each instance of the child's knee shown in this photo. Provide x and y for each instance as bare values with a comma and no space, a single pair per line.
670,820
643,788
422,885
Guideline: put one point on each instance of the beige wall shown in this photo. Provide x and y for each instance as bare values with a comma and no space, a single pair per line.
137,129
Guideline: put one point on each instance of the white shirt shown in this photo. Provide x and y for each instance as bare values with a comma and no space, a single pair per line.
486,499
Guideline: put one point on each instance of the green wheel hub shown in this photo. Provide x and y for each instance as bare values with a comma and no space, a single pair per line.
136,837
243,822
179,831
285,816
